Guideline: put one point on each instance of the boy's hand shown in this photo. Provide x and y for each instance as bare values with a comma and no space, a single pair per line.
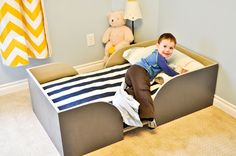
183,70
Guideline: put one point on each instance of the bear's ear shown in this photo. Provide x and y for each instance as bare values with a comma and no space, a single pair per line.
121,13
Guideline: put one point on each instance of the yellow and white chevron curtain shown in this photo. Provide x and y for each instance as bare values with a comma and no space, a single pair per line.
22,32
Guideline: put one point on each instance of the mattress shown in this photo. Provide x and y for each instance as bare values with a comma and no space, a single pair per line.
99,86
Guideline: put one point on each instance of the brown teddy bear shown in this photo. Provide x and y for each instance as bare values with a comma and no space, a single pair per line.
117,35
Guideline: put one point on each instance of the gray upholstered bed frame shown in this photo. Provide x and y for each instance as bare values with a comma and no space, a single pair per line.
89,127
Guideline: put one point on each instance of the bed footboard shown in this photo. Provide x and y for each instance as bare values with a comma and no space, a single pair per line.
90,127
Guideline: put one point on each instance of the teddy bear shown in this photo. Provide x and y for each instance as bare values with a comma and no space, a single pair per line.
118,35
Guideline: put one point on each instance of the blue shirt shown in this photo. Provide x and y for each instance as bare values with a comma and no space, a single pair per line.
154,64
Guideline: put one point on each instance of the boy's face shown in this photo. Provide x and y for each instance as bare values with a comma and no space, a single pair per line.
165,48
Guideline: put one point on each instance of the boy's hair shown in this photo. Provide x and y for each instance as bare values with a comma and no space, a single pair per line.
168,36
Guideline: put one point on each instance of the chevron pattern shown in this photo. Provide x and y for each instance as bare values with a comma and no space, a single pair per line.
22,32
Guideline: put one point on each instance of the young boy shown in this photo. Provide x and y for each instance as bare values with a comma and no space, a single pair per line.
139,75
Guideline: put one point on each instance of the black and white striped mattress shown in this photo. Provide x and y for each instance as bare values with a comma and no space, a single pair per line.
71,92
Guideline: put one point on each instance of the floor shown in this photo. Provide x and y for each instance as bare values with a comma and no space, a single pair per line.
209,132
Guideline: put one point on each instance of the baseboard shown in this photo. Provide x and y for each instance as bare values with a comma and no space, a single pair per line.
225,106
13,87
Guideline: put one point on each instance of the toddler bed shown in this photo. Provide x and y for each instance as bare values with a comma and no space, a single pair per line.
78,125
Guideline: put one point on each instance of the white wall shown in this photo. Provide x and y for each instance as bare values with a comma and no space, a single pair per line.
208,27
69,22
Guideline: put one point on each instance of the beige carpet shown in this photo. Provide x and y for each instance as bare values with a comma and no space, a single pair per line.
208,132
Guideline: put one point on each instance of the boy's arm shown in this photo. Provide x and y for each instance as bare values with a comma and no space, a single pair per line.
165,67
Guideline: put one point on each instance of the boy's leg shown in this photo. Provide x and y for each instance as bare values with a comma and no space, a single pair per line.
138,81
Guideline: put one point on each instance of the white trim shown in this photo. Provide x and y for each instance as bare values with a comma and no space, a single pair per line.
225,106
13,87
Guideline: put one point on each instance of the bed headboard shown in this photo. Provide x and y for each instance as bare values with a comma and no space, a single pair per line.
116,58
